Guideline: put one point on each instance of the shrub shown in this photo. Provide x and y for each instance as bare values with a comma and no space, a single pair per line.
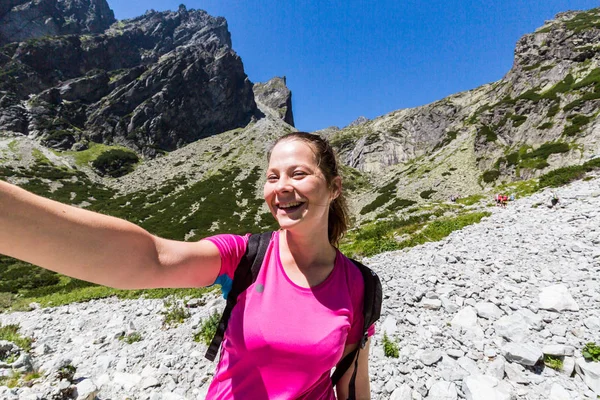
426,194
115,162
131,338
546,149
562,176
553,110
400,203
553,362
488,134
390,348
67,372
174,313
546,125
208,329
490,176
11,333
591,352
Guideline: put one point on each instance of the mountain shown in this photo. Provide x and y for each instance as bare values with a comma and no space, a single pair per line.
153,83
540,116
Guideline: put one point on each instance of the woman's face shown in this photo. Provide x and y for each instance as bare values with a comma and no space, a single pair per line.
296,191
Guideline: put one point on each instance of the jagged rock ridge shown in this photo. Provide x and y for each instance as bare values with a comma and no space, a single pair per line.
25,19
153,83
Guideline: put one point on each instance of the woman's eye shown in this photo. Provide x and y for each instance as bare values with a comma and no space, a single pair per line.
272,178
299,174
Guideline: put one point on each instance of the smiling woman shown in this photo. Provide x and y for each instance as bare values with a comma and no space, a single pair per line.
288,329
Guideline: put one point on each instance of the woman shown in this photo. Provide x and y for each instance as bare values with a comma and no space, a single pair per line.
289,328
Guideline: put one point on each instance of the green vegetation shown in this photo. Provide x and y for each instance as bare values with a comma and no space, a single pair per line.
426,194
174,313
577,122
591,352
487,133
536,159
17,379
11,333
377,237
518,120
115,163
208,329
67,372
440,228
490,175
470,200
584,21
386,193
553,362
94,150
450,136
131,337
353,179
390,347
562,176
546,125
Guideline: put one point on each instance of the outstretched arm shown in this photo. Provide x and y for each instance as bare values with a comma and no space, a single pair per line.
98,248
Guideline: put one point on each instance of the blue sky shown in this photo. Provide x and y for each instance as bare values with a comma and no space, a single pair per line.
344,59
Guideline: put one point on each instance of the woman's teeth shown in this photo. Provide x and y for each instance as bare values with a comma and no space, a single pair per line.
289,205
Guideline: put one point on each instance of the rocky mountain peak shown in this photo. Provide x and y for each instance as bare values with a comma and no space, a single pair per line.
275,99
152,83
22,19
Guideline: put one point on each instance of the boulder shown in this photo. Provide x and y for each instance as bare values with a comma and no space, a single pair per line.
590,373
524,354
557,298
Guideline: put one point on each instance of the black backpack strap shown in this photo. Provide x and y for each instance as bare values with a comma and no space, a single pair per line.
373,297
245,273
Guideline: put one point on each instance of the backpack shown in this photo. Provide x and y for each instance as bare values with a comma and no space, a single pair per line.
247,272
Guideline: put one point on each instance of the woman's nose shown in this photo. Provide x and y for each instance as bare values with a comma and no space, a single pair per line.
283,185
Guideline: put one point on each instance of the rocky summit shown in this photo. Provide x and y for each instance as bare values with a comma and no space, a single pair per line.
153,83
474,316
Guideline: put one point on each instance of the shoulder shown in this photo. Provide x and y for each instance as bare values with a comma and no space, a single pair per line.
227,243
352,271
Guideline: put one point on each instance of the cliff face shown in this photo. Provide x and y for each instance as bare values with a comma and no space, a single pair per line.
152,83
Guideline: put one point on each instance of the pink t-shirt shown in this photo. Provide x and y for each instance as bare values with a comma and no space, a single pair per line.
283,340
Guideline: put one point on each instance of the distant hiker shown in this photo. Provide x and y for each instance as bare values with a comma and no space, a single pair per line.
512,197
292,325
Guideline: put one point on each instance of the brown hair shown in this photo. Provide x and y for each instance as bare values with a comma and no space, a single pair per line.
337,223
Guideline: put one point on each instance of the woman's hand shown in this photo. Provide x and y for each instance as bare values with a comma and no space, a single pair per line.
98,248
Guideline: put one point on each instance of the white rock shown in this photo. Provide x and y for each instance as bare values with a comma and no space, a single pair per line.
484,388
431,304
524,354
128,381
465,318
558,392
488,311
590,373
557,298
512,327
558,350
568,366
592,323
442,390
86,390
389,326
402,393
